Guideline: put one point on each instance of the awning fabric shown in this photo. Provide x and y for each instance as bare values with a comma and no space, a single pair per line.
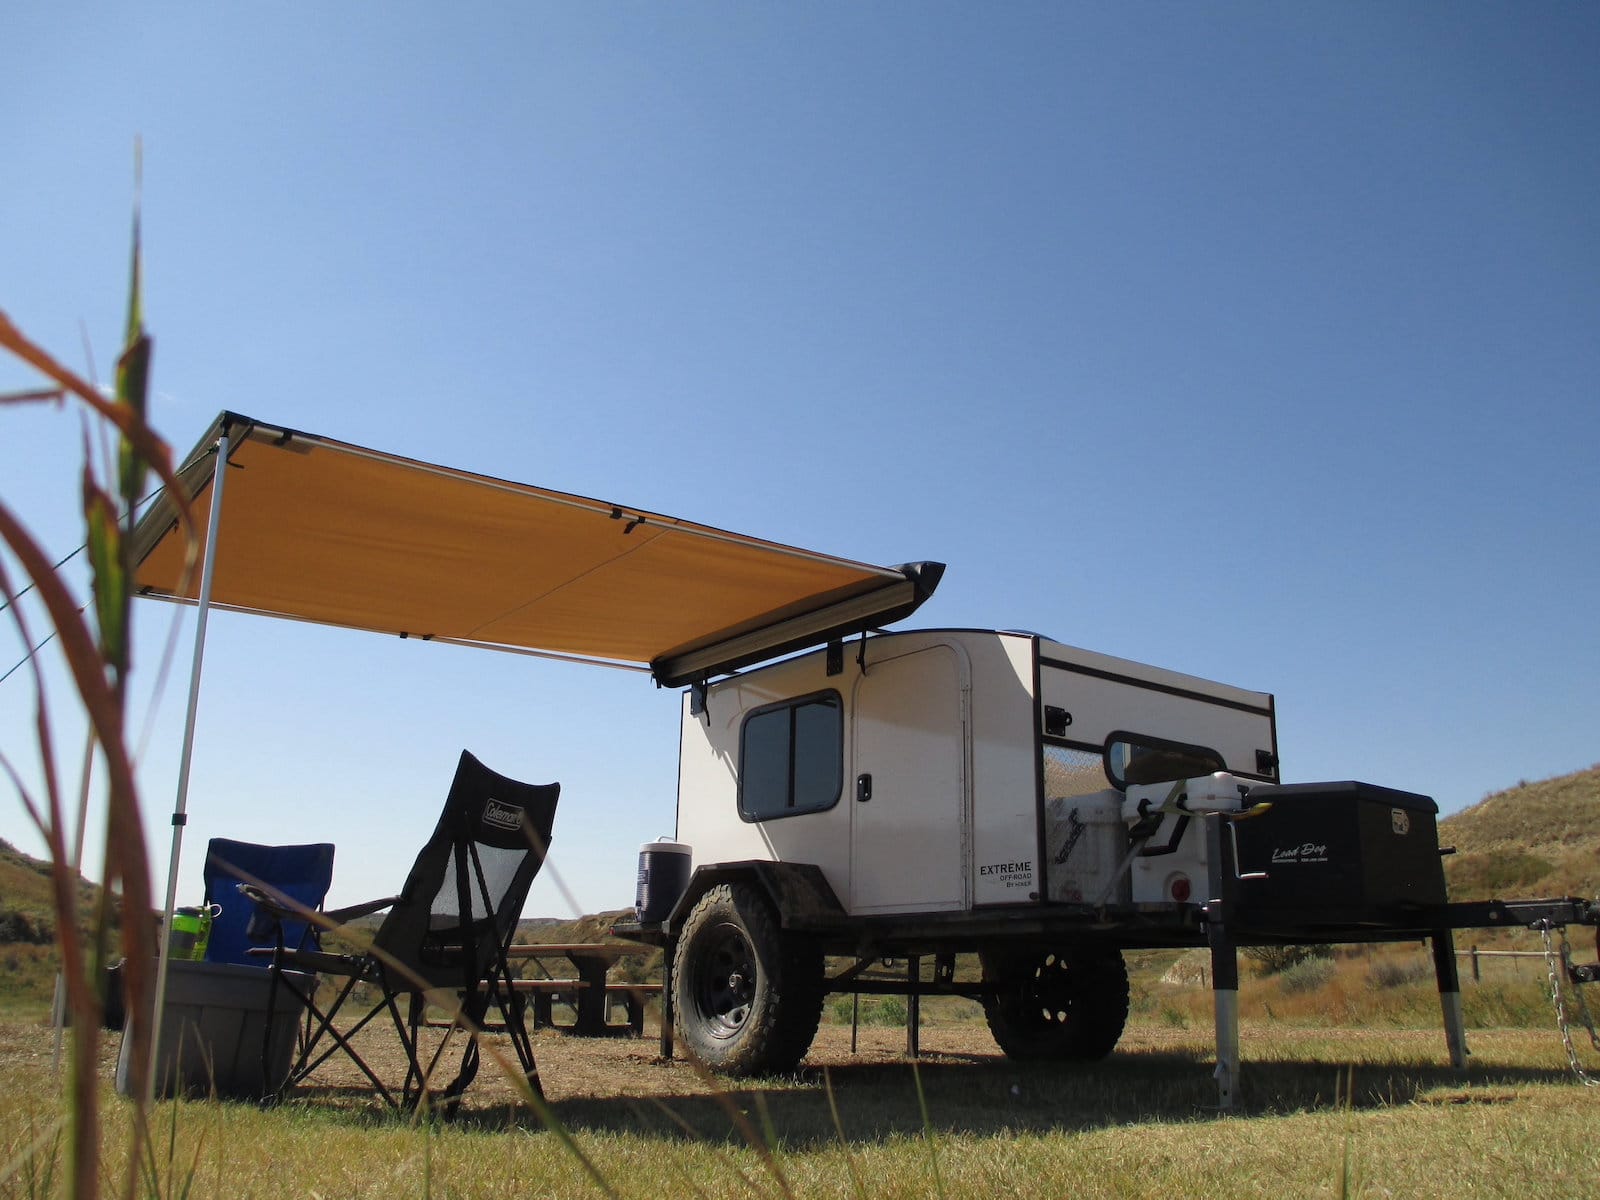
326,531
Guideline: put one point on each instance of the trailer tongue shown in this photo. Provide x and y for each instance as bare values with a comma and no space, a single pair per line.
1380,894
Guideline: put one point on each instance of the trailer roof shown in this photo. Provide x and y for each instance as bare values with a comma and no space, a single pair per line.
321,530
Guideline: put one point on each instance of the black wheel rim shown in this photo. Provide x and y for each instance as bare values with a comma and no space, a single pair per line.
724,982
1041,1001
1050,993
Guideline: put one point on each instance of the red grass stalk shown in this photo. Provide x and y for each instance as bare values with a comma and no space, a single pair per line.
99,670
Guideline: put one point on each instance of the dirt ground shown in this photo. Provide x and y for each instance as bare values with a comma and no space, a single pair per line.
600,1068
573,1067
610,1082
581,1068
569,1067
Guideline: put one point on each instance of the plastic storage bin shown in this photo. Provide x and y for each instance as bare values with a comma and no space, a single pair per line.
212,1032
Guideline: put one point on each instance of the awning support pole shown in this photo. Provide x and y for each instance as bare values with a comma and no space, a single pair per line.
180,814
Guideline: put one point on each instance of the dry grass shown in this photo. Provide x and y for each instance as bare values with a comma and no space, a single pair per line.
1137,1125
1373,986
1534,839
1325,1110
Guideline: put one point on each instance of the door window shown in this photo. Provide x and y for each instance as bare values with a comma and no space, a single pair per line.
791,758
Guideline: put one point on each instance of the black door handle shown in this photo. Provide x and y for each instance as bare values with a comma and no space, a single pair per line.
863,788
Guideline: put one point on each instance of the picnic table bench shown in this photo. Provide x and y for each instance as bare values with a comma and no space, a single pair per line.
591,992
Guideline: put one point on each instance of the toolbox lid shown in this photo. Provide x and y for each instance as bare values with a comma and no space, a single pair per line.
1347,789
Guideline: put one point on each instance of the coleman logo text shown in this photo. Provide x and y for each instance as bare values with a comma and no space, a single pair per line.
502,816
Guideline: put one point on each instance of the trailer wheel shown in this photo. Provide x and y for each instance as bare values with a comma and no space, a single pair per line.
748,997
1069,1005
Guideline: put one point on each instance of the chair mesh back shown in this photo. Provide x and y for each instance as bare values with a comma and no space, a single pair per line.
491,839
499,868
301,873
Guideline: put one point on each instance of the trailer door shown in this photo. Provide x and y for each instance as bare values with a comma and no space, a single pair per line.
908,789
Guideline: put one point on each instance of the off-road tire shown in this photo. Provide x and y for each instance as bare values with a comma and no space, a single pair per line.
747,996
1066,1005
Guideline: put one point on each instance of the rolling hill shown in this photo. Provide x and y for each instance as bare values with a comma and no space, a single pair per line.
25,909
1536,839
27,930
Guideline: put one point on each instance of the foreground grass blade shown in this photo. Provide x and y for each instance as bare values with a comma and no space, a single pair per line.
700,1139
741,1122
844,1144
98,661
927,1130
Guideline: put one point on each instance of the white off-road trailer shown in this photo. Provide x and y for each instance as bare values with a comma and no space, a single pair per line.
926,773
918,795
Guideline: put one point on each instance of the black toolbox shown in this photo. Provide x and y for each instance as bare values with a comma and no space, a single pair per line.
1341,848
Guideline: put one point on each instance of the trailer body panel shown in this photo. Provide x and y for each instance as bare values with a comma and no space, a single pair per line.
931,771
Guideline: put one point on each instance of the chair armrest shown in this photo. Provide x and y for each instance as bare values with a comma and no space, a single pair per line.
274,904
283,907
312,961
343,916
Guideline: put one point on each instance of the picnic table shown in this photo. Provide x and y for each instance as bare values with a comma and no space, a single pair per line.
591,962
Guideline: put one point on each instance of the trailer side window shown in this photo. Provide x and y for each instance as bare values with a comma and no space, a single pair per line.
791,758
1135,758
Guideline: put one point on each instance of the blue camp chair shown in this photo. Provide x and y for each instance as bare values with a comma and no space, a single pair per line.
298,874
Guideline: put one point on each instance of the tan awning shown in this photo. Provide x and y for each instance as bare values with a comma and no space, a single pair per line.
325,531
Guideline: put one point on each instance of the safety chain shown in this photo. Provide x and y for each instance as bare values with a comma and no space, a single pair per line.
1559,964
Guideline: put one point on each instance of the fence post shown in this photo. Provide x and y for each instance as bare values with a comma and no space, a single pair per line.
1477,973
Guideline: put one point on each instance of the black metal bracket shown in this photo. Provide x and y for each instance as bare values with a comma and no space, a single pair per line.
1495,914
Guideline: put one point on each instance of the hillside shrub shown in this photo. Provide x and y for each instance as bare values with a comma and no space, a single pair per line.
1273,960
1397,972
1502,873
1307,975
26,928
875,1010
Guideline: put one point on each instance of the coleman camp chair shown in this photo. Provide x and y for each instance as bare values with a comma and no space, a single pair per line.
443,940
295,878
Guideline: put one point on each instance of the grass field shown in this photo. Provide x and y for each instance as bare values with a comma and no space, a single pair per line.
1345,1089
1326,1111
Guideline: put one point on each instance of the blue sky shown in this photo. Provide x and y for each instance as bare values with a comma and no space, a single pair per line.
1253,340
